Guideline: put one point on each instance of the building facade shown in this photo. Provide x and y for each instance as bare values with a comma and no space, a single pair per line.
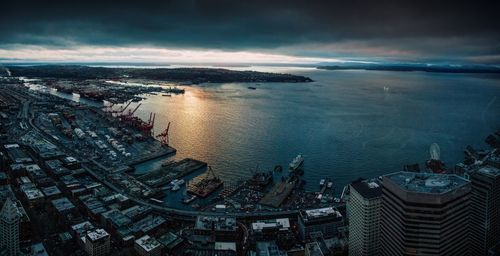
364,217
323,222
9,228
425,214
97,243
485,209
147,246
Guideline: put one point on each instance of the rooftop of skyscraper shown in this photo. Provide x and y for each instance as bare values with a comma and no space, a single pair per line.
430,183
369,189
489,171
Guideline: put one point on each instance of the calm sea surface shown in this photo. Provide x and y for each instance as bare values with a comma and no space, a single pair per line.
345,123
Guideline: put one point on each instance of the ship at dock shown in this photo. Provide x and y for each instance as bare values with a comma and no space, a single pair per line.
205,184
296,163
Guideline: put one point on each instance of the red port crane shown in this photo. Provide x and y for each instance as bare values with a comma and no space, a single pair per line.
131,112
164,136
120,111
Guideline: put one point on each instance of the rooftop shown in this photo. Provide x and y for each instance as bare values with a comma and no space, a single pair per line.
33,193
62,204
321,213
10,212
16,154
38,250
147,243
170,240
97,234
225,246
268,248
82,228
490,171
218,223
51,191
430,183
148,223
69,159
137,210
117,218
6,192
368,189
281,224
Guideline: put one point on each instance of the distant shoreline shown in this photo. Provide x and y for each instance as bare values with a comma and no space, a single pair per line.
424,68
184,75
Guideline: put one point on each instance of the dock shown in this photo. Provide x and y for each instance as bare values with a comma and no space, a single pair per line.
161,153
171,171
204,184
278,193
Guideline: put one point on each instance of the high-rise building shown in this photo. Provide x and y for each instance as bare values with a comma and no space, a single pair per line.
365,200
9,228
97,243
485,209
324,222
425,214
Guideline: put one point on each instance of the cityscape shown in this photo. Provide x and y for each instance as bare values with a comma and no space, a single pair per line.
249,128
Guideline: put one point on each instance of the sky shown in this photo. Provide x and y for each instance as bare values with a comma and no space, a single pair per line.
237,31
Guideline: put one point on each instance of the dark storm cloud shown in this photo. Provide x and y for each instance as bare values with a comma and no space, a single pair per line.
434,29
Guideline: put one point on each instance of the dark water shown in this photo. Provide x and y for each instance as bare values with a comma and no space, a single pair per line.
345,123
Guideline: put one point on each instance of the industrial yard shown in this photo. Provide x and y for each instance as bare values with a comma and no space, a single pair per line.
111,138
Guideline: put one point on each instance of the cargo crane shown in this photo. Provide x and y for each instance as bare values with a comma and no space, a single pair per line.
131,112
120,111
134,121
147,128
109,109
164,136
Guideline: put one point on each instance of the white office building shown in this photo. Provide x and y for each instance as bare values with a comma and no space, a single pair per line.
364,217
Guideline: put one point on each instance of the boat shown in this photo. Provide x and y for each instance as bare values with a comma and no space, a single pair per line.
329,184
189,199
176,187
322,182
297,162
167,187
166,95
252,88
177,182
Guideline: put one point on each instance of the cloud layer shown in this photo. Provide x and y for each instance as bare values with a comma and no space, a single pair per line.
395,30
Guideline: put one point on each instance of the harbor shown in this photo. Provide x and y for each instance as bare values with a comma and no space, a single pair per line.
170,171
